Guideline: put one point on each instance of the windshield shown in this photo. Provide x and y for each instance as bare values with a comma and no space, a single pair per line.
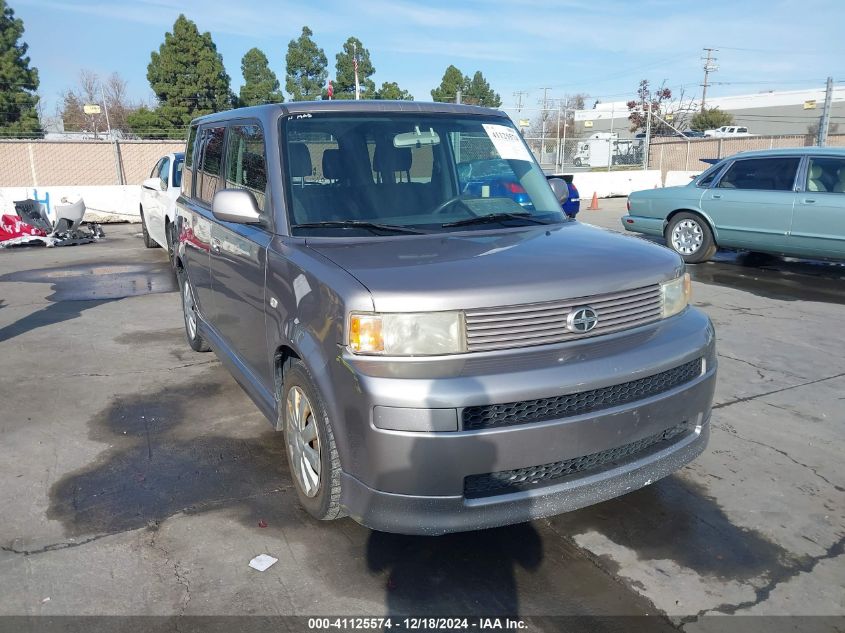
368,174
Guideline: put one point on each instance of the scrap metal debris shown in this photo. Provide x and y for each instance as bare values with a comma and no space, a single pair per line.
35,225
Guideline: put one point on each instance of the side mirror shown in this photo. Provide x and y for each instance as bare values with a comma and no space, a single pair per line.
154,184
235,205
560,189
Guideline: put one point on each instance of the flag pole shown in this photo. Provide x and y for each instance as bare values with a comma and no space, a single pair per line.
355,64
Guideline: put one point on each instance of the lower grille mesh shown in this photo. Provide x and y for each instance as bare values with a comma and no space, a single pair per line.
495,415
505,481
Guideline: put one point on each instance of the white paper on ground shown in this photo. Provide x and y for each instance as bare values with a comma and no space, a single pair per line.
262,562
507,142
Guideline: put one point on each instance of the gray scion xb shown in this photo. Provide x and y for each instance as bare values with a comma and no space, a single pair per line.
396,287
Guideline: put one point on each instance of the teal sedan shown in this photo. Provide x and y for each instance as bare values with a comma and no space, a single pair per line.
784,201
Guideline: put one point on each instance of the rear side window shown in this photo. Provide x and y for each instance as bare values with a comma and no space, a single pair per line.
826,175
246,166
164,172
187,179
766,174
208,176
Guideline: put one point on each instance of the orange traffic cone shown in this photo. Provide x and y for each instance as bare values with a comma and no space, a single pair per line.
594,205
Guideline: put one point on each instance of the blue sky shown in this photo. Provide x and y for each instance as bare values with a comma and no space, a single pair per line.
601,47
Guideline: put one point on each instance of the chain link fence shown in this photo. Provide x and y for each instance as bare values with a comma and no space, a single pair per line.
667,154
33,163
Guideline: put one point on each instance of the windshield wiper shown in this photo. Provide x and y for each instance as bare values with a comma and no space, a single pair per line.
356,224
494,217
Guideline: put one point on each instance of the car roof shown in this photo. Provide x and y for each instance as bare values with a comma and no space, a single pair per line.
793,151
274,110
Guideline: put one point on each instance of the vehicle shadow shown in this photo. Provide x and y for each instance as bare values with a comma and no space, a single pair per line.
466,573
771,276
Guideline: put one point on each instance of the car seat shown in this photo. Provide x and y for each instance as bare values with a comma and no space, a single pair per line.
815,182
839,187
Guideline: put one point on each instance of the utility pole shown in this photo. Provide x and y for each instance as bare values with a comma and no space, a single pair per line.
543,116
519,94
709,67
458,96
647,137
824,123
355,66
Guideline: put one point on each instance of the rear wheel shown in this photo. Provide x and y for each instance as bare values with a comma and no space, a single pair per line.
312,454
148,241
690,236
189,310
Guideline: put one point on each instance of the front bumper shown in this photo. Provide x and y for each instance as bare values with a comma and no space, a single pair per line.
414,481
434,516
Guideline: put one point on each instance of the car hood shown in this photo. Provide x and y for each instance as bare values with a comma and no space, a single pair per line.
486,269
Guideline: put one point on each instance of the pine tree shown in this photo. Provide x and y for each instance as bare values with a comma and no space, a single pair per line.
391,90
146,123
260,83
188,77
344,82
480,93
18,81
453,81
305,68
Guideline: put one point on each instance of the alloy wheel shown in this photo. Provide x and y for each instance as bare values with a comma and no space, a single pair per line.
687,237
189,308
303,441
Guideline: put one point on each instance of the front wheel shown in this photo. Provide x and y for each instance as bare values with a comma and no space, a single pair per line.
690,237
312,454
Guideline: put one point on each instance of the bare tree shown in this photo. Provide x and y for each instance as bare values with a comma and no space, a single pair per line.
547,124
666,113
90,90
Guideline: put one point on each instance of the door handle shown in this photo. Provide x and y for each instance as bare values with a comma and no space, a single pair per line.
215,244
717,196
808,201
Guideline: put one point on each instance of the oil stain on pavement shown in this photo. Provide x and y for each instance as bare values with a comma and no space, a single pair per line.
772,277
101,281
150,472
81,287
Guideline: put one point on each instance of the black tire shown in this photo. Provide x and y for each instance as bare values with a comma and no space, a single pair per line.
148,241
195,340
171,244
324,504
695,225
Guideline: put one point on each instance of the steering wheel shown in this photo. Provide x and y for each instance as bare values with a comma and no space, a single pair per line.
441,208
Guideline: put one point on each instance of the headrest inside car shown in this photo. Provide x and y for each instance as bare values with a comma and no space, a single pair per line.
300,159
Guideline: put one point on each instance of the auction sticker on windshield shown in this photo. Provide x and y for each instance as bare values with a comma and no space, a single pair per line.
507,142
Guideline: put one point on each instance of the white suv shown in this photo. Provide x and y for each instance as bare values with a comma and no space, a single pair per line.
158,201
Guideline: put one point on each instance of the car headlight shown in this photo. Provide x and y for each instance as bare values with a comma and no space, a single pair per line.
407,333
675,295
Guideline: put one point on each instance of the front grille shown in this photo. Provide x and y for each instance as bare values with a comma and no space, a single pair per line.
509,327
506,481
495,415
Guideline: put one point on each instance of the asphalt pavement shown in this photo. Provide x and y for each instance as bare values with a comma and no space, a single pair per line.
136,474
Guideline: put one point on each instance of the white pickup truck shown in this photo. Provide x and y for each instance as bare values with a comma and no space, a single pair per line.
728,130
